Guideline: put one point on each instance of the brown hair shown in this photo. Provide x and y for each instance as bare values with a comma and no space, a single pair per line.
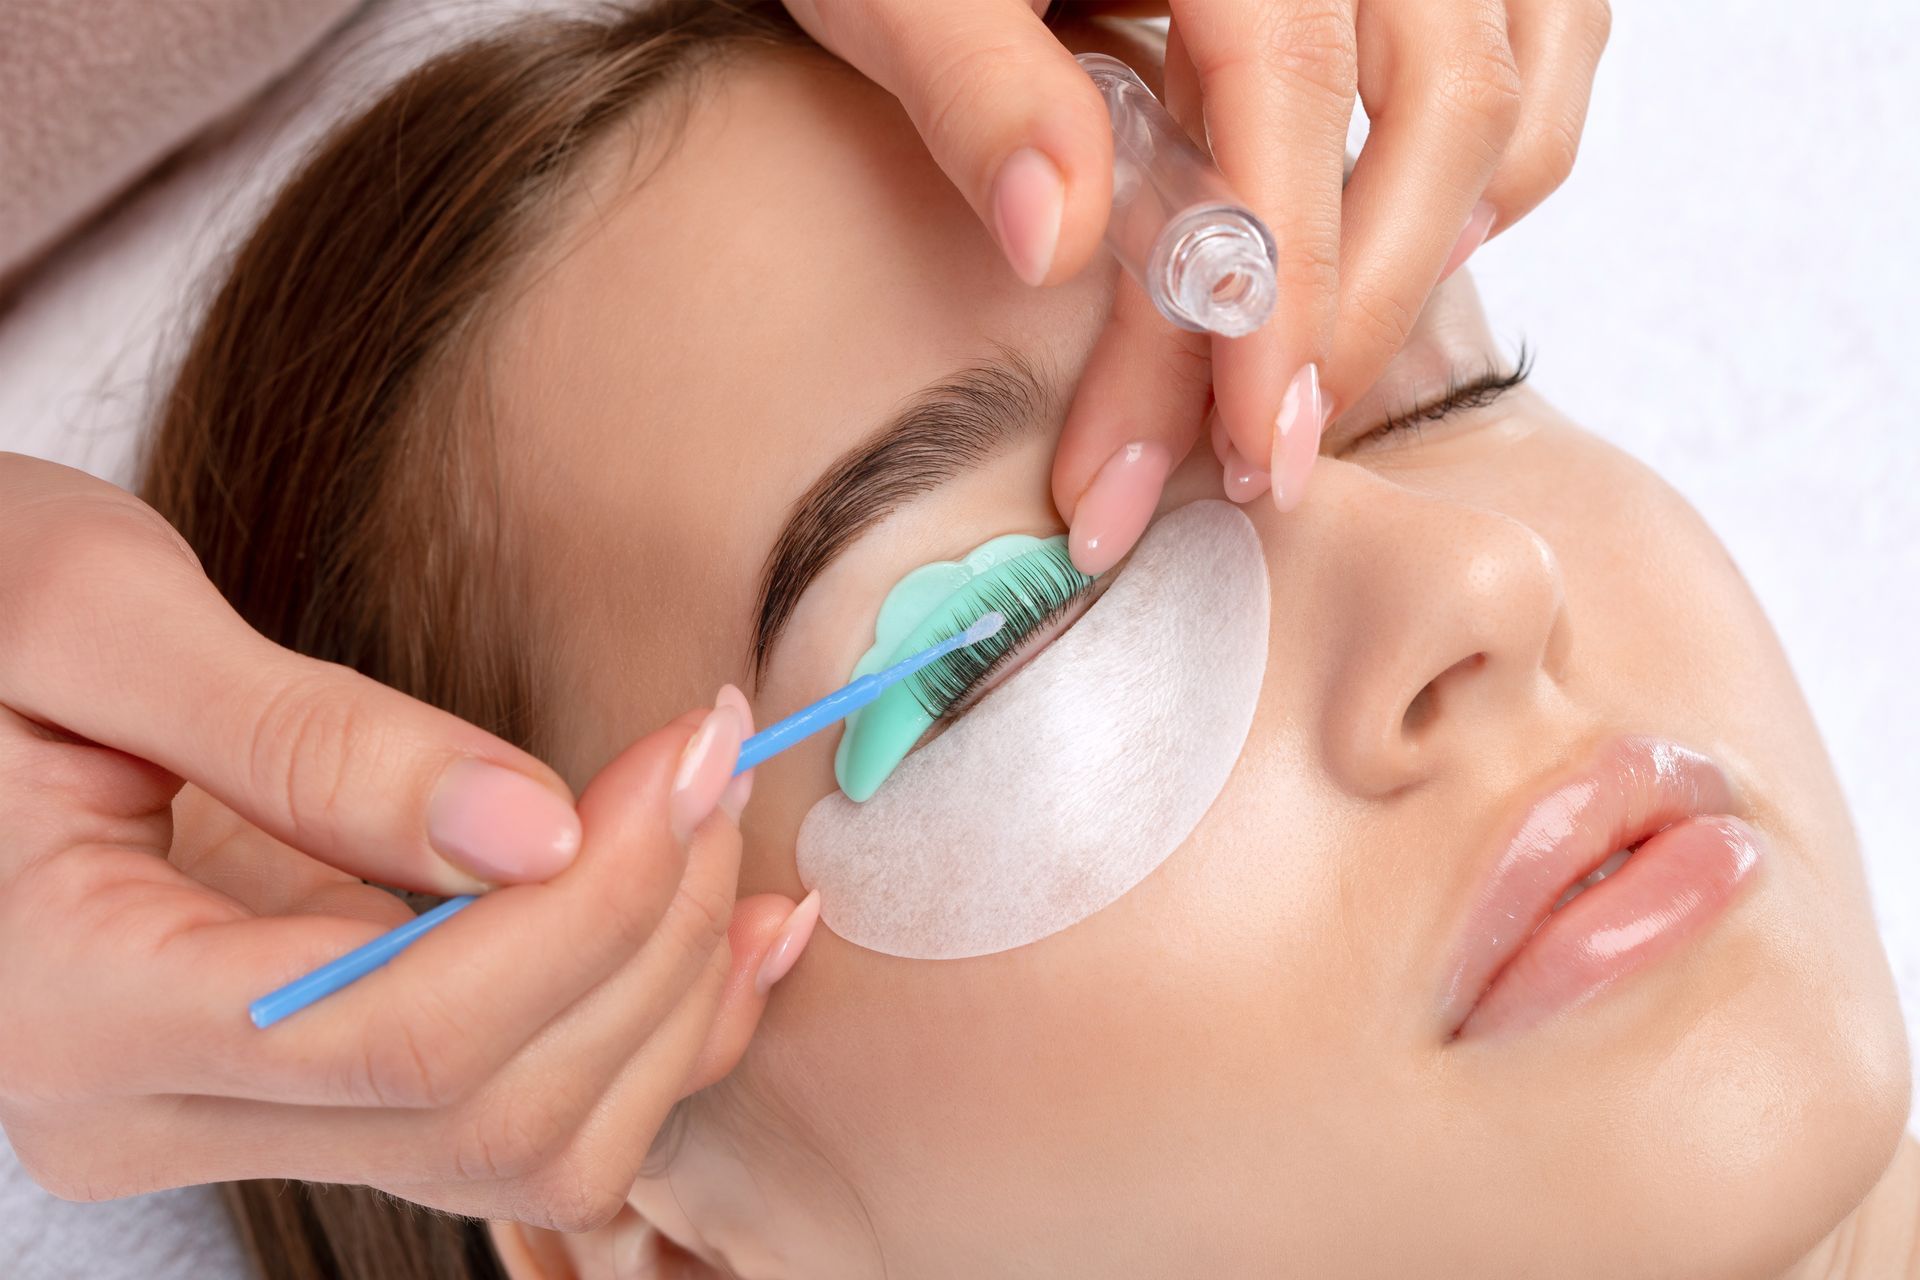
312,450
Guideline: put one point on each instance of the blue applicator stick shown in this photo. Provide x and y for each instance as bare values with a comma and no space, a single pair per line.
769,742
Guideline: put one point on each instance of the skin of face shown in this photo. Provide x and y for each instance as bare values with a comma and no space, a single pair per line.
1236,1069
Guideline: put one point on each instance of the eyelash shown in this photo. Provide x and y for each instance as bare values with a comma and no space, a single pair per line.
1037,591
1045,587
1476,393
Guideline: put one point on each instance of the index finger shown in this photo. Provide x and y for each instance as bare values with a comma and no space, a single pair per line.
1277,82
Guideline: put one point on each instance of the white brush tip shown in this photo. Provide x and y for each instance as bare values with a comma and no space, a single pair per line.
984,627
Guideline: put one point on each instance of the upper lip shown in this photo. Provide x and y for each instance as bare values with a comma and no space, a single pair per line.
1625,791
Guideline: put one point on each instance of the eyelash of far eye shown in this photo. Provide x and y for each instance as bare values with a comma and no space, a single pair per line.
1476,393
1036,591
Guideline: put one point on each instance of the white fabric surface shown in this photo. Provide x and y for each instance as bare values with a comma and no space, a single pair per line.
1726,287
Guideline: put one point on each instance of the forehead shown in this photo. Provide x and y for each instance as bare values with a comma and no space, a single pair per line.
728,307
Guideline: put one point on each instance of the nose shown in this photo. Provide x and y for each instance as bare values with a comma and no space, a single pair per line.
1448,623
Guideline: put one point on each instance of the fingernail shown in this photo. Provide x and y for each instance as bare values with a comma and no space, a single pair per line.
733,800
1028,199
500,825
1241,479
1116,507
706,766
1296,436
787,946
1479,222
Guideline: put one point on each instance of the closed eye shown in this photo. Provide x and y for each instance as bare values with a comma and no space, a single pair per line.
1460,396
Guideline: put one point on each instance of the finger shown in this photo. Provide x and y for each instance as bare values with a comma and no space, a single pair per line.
593,1173
62,792
1443,96
1136,412
1180,84
1004,110
425,1030
511,1154
1278,84
97,595
572,1111
419,1155
1557,48
223,851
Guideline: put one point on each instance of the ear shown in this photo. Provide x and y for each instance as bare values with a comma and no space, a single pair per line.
759,925
627,1248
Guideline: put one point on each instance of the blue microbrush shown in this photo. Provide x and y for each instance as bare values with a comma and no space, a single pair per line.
769,742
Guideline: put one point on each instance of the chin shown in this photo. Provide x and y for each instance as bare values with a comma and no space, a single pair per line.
1768,1108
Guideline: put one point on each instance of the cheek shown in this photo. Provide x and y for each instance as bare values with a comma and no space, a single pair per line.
1077,777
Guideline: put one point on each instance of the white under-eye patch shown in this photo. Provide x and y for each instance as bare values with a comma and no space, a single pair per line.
1076,777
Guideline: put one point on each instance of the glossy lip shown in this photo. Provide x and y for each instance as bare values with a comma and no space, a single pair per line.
1628,790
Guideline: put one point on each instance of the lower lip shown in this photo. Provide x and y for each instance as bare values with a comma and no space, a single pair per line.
1671,889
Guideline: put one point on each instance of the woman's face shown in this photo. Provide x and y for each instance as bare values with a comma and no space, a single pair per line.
1245,1065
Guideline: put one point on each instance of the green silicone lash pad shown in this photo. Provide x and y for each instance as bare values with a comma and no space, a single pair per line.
931,603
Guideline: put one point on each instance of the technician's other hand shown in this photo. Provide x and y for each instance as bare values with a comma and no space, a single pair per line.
186,815
1476,108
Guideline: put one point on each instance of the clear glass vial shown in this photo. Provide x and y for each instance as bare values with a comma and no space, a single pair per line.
1204,259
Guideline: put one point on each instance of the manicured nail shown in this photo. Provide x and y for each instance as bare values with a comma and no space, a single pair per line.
733,801
500,825
1028,199
1296,436
706,766
788,945
1116,507
1479,222
1241,479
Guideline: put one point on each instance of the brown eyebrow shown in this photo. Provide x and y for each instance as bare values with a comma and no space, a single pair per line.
946,427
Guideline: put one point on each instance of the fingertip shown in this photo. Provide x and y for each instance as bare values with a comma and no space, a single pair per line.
1472,236
739,789
1076,134
788,943
1029,198
761,927
1303,415
1114,511
499,826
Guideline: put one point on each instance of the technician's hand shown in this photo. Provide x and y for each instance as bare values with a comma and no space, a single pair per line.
513,1063
1476,108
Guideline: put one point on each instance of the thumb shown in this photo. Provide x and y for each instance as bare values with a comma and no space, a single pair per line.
1004,110
149,659
364,778
766,936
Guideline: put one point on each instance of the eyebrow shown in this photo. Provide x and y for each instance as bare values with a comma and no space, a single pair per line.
948,427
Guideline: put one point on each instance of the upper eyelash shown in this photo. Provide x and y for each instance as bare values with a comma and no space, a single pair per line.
1038,589
1475,393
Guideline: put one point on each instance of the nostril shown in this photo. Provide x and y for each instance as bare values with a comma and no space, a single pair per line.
1419,711
1426,703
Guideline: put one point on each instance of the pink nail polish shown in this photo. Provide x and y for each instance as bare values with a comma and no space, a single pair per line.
1296,436
1028,200
792,940
706,766
1242,480
1479,222
1116,507
499,825
734,799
